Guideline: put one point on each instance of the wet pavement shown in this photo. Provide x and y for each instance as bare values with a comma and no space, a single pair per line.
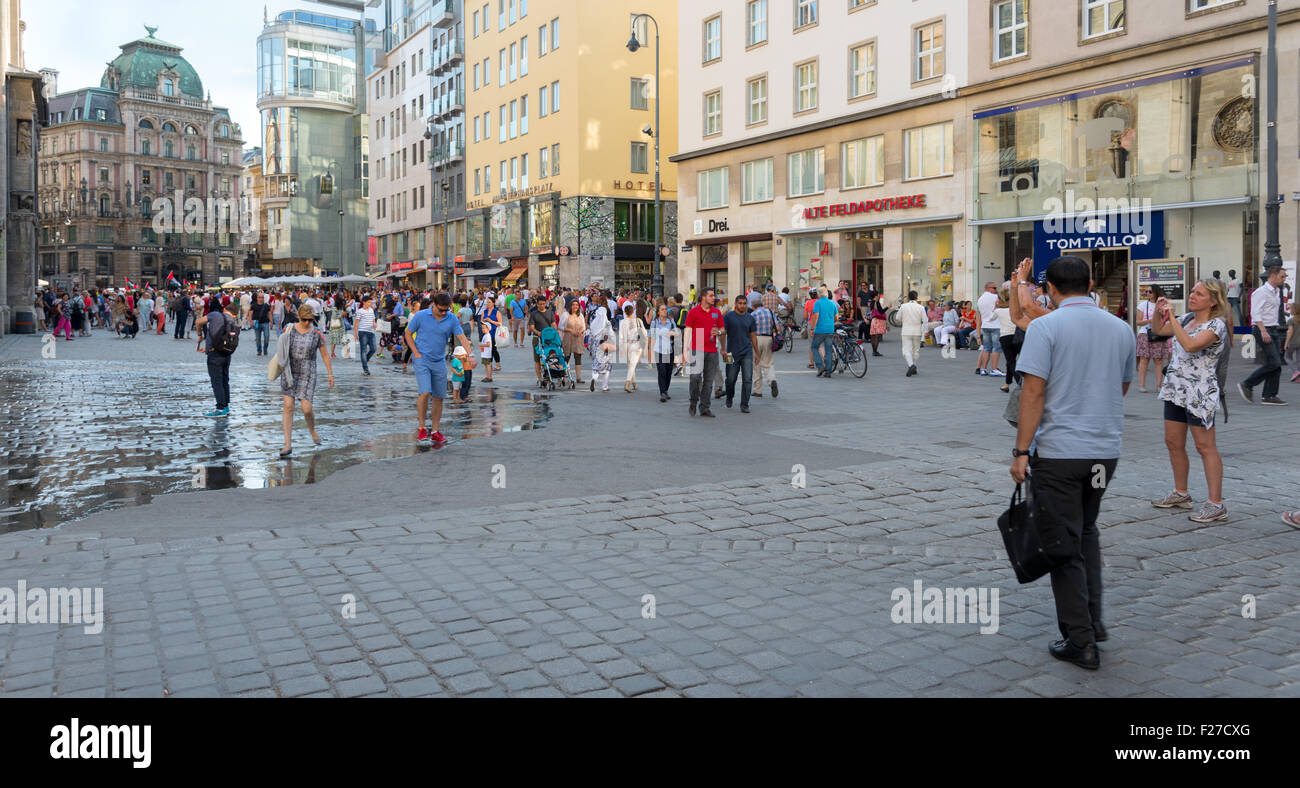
83,436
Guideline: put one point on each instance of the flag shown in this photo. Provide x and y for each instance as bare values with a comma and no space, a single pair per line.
129,286
171,276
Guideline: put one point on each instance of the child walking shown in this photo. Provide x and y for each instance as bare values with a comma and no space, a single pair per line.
460,375
486,347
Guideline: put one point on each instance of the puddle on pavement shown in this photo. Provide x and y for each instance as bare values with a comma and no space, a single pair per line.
85,437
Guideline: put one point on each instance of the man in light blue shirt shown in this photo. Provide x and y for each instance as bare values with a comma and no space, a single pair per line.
823,316
428,335
1077,363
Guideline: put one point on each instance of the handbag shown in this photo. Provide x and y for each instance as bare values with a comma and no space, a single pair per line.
1020,536
273,367
383,326
1012,411
336,322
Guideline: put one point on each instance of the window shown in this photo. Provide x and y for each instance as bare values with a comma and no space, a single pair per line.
928,151
514,118
555,34
475,80
541,41
514,173
501,123
805,86
514,61
505,175
640,91
807,172
712,39
501,68
542,159
523,171
555,159
543,104
862,70
712,189
225,159
523,114
523,8
805,13
757,108
475,29
103,144
514,13
863,162
712,113
523,56
640,157
755,22
144,147
501,14
756,181
103,175
1201,5
189,152
928,40
476,172
478,125
555,96
1101,17
1010,30
487,177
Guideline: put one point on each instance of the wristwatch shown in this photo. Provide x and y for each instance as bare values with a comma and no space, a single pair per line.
1020,453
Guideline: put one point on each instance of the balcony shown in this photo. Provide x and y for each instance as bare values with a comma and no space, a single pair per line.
447,155
446,106
447,57
443,14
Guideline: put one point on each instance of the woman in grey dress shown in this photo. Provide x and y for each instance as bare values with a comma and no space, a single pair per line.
296,352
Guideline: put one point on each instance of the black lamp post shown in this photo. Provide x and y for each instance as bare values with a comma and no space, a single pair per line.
1272,246
657,288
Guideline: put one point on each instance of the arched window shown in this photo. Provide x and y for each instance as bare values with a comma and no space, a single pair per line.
145,123
167,87
191,130
169,126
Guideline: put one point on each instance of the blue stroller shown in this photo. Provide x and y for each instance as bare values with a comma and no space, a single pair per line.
555,369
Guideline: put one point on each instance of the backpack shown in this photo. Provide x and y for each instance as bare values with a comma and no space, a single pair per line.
226,340
681,316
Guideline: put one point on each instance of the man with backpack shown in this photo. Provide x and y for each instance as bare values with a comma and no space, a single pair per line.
182,307
220,339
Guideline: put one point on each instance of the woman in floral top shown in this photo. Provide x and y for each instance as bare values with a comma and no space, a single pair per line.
1191,392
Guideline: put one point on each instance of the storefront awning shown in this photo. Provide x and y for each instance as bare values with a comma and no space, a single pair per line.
727,239
475,273
515,274
844,228
1167,207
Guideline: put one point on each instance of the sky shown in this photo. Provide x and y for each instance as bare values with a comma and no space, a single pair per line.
80,37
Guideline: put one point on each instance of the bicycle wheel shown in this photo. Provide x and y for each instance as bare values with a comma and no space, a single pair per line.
856,359
788,338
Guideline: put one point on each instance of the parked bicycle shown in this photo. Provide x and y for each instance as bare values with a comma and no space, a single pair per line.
847,353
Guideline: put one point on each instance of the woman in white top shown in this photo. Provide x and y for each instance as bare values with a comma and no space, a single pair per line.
1006,335
1191,393
632,341
1149,347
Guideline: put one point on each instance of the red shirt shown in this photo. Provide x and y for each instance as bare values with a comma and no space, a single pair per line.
698,322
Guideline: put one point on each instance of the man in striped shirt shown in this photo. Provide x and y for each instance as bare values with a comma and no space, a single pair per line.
363,331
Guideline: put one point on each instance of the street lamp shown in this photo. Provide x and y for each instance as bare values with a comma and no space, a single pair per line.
1272,247
657,288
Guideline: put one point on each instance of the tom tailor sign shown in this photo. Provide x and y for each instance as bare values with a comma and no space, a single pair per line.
866,206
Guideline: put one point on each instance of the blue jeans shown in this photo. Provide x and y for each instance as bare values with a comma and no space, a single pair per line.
821,350
262,333
367,349
744,367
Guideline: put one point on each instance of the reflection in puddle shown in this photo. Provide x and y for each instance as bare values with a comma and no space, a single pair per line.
83,437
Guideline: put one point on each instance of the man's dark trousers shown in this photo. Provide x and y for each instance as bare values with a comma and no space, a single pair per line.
702,381
219,374
743,366
1270,372
182,323
1067,495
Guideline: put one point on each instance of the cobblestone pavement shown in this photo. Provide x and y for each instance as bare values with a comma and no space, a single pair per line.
760,587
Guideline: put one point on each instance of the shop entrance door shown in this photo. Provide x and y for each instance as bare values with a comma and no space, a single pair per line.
870,272
1172,275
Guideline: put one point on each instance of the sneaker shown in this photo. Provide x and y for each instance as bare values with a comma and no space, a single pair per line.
1291,518
438,437
423,436
1246,393
692,409
1271,401
1296,377
1174,500
1209,512
979,371
216,413
996,373
707,414
774,390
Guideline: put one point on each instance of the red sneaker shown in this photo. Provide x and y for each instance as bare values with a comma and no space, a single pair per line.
423,436
438,437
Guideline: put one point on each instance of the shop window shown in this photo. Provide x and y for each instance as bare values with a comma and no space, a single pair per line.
928,263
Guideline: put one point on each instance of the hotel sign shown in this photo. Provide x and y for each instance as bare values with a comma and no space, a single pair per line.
866,206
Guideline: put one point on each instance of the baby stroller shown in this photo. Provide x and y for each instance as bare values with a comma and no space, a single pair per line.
555,369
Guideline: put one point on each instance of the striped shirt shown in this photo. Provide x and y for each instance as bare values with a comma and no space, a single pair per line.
366,320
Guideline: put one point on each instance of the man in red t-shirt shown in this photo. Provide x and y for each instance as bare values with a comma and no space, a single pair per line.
703,330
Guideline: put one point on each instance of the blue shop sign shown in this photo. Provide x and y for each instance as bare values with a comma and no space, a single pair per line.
1143,236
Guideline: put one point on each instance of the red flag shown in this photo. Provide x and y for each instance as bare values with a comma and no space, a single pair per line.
129,286
171,276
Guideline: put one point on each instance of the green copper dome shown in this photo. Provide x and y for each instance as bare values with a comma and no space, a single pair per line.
142,59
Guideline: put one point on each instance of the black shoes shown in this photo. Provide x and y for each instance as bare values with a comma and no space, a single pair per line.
1271,401
774,391
1087,657
1246,393
692,408
1099,632
728,402
911,370
662,398
744,409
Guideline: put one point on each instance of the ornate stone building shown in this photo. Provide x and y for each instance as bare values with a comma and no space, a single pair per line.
22,111
112,152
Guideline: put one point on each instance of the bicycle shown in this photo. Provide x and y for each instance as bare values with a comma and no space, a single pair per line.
847,352
787,329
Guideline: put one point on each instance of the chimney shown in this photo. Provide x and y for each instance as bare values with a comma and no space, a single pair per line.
49,82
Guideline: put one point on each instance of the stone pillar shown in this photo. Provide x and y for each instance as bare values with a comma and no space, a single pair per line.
22,140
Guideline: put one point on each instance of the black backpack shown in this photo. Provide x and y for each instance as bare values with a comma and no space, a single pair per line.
226,340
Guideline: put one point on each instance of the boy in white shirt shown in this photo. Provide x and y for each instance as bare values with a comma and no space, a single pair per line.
485,350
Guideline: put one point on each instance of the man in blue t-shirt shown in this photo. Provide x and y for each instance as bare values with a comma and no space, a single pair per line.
518,315
428,334
823,315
